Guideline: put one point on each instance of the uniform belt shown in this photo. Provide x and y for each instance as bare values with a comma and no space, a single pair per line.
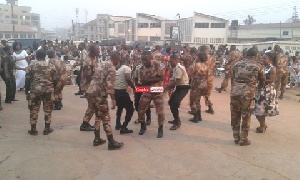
183,87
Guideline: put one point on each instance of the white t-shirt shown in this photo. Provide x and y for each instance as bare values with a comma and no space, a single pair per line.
121,82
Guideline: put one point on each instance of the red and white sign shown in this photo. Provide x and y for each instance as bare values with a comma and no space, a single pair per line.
156,89
142,89
148,89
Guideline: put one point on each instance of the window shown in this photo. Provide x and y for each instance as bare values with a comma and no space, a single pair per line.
168,27
29,35
26,23
24,11
111,25
285,33
201,25
34,23
92,28
7,17
1,36
35,18
155,25
16,36
143,25
7,36
15,22
22,35
217,25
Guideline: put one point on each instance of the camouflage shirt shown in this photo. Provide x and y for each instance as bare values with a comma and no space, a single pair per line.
232,58
201,76
41,74
282,63
88,69
158,56
245,76
103,80
60,67
155,70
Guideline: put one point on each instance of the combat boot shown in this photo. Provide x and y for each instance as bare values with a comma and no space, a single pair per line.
148,121
210,110
47,129
219,90
176,125
56,106
191,113
33,130
98,141
60,104
143,128
86,127
160,133
197,117
281,96
112,144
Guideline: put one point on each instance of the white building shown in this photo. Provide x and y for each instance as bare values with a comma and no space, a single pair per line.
151,27
265,32
117,26
203,29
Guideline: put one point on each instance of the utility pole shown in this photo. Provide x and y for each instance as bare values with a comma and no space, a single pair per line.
280,30
12,19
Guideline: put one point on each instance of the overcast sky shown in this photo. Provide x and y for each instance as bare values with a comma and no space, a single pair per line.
59,13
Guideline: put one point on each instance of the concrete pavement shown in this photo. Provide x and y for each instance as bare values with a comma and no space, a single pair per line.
196,151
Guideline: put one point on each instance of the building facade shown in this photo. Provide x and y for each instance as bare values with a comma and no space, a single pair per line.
264,32
203,29
21,17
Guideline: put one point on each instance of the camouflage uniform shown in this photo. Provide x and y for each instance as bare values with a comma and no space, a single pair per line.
200,84
137,59
282,72
102,84
88,70
42,74
156,69
62,78
83,56
158,56
211,64
245,76
232,58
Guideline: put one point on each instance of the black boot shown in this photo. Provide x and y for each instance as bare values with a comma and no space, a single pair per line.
197,117
210,110
56,106
33,130
86,127
160,133
60,104
47,129
79,93
219,89
176,125
118,127
148,121
125,130
112,144
143,128
98,141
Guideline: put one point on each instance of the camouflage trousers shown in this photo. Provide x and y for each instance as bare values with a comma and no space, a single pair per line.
158,99
207,99
195,97
240,109
224,84
281,81
34,104
59,88
99,105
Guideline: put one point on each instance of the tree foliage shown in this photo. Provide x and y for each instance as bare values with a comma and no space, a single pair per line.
250,20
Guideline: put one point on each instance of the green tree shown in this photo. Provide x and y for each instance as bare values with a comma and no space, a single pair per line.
250,20
295,17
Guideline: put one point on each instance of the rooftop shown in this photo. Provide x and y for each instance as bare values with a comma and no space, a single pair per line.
120,18
152,16
271,25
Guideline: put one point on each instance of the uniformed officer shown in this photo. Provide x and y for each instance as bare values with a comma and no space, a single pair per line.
180,80
152,75
102,85
200,84
232,58
83,55
39,88
88,68
62,78
245,76
282,71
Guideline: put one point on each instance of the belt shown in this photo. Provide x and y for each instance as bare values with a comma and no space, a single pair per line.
183,87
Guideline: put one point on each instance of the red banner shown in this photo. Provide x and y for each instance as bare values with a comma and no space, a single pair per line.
142,89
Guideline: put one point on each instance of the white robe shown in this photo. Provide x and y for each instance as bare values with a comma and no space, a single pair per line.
20,74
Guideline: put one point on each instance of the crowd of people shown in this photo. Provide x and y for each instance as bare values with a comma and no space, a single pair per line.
113,72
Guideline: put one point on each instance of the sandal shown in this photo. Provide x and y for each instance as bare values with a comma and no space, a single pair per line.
259,130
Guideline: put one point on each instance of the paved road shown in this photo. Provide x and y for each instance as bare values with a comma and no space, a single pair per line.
196,151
